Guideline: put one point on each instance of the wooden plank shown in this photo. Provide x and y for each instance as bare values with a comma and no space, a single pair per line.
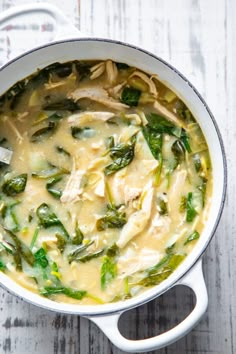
199,38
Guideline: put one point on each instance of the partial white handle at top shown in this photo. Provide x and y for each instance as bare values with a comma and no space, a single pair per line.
109,323
63,29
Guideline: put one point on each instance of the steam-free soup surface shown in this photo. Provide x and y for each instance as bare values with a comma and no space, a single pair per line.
109,185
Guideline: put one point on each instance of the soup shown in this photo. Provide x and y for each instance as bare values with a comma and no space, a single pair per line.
109,184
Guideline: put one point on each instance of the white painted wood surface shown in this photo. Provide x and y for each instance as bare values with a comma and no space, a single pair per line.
199,38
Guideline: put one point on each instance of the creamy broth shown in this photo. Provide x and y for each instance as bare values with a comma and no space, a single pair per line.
109,185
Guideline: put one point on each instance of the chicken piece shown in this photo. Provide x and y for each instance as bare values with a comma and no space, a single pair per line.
147,80
97,94
133,261
131,193
112,72
73,189
167,114
139,219
87,117
97,70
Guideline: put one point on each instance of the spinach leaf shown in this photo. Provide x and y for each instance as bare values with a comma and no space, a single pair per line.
185,140
62,105
48,218
74,294
162,206
122,155
162,270
50,172
50,187
130,96
82,133
40,258
178,150
162,125
202,188
114,219
78,237
154,141
61,69
191,212
108,271
112,251
183,111
10,218
15,185
2,266
61,242
194,236
122,66
78,251
21,250
89,256
45,132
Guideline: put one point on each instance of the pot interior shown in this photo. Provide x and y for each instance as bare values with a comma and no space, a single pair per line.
87,49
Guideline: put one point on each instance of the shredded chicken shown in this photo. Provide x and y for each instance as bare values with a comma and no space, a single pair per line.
86,117
131,261
131,193
97,94
97,70
167,114
147,80
112,71
73,190
138,220
116,90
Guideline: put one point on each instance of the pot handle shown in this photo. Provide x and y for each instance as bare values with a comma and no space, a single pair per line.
109,323
33,25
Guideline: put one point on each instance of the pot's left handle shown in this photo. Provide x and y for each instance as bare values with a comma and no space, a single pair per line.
25,27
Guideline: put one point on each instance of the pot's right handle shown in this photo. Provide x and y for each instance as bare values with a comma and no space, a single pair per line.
109,323
31,25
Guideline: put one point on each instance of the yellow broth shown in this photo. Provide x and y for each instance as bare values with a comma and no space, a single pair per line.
109,185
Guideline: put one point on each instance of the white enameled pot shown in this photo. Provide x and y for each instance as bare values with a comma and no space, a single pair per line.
69,45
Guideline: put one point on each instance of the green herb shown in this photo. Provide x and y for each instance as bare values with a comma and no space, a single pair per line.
63,105
183,112
48,218
112,251
50,187
78,251
161,125
82,133
178,150
162,206
183,204
110,142
83,69
191,212
55,117
78,237
21,250
40,258
194,236
154,141
202,188
51,171
43,132
162,270
61,70
114,219
61,242
122,66
108,271
89,256
122,155
130,96
15,185
74,294
185,140
8,247
34,238
61,150
2,266
10,219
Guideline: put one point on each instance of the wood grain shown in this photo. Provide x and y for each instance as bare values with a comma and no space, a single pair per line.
199,38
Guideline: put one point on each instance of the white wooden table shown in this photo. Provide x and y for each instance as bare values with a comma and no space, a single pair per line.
199,38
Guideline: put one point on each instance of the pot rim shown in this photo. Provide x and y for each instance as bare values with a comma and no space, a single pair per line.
136,301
